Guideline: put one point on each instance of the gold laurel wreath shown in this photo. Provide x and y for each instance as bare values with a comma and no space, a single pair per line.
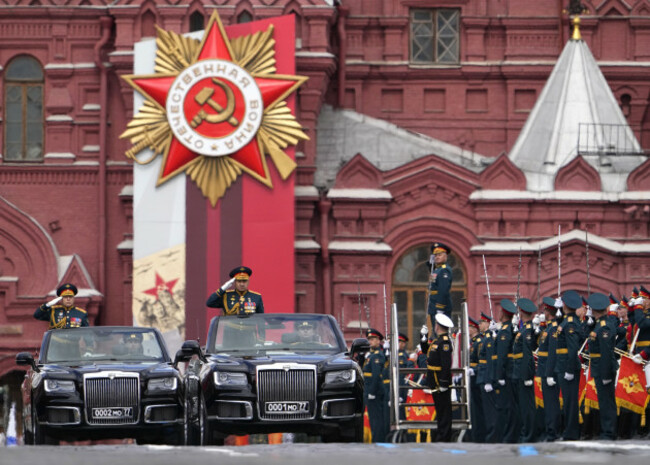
279,129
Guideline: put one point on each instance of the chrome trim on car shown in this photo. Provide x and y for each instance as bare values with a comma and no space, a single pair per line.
325,406
112,389
286,382
147,414
77,416
247,406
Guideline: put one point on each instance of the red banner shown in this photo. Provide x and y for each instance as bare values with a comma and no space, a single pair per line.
630,389
539,396
590,394
424,413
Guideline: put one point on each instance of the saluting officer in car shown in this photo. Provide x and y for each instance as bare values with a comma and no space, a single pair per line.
64,314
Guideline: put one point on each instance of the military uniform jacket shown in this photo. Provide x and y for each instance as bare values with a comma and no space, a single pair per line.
503,348
546,353
642,323
60,317
439,362
404,362
439,290
473,352
484,357
569,340
234,303
602,340
372,373
523,363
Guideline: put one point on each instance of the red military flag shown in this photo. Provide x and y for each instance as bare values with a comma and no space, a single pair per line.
367,435
590,395
539,397
630,390
424,413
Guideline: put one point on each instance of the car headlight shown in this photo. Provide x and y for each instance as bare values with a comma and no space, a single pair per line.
162,384
59,385
229,378
341,377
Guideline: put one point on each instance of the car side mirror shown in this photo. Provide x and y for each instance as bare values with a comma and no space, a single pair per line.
359,345
25,358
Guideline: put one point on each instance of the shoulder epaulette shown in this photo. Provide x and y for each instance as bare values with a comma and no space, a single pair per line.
81,310
253,292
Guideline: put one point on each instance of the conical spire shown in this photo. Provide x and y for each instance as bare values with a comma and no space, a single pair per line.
575,94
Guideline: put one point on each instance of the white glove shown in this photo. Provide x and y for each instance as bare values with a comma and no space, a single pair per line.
371,397
494,326
536,320
542,318
558,303
426,391
589,312
638,359
389,402
569,376
502,382
515,321
471,371
442,389
606,382
528,382
54,301
424,330
488,387
550,381
227,284
386,345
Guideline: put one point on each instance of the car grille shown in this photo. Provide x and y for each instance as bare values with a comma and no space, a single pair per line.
286,383
110,391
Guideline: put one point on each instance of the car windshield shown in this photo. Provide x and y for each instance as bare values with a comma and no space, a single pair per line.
96,344
285,333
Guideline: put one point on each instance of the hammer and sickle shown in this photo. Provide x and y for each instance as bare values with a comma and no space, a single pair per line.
224,114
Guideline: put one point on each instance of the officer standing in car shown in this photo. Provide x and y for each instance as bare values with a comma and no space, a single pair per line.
64,314
239,301
373,391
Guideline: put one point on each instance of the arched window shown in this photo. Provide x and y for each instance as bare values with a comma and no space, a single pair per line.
197,21
24,125
244,17
410,285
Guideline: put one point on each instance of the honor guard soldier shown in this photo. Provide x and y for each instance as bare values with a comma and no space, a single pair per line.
603,364
439,375
506,399
523,371
546,358
484,377
373,391
240,301
439,282
476,406
65,314
642,320
568,366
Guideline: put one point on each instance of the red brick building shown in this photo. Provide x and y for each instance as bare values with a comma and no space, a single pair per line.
412,108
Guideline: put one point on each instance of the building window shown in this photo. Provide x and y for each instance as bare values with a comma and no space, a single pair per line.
410,286
197,21
435,36
244,17
24,126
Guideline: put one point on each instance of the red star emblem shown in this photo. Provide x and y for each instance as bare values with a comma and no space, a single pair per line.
201,111
161,285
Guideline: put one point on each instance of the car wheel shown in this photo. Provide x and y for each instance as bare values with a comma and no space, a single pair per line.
353,431
39,436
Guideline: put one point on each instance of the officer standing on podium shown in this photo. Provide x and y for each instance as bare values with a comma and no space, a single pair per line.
439,375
